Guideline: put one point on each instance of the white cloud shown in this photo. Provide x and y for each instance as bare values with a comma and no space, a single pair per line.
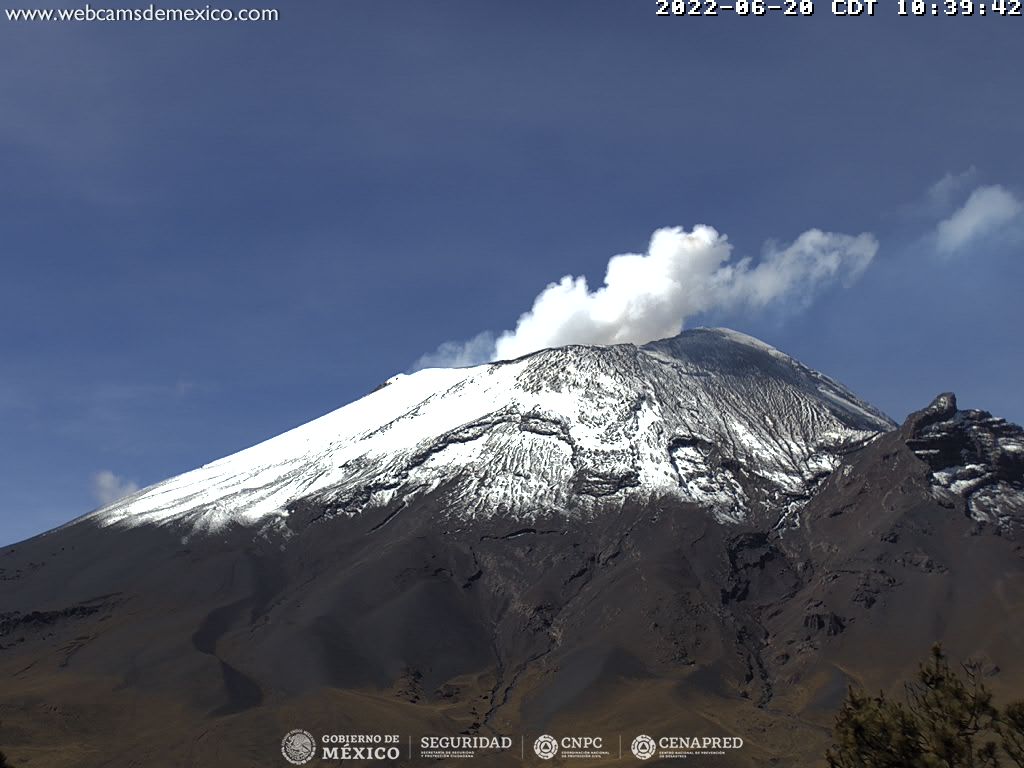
942,192
108,487
456,354
987,211
651,295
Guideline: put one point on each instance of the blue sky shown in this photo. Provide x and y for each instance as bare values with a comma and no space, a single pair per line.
213,233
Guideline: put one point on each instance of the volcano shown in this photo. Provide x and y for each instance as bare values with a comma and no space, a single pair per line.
697,537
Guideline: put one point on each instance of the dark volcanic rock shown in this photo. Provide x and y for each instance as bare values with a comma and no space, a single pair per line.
167,645
972,455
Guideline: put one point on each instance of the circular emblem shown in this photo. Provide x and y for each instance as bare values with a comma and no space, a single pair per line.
643,747
546,747
298,747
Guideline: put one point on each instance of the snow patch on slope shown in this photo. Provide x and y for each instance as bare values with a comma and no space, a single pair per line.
975,456
712,417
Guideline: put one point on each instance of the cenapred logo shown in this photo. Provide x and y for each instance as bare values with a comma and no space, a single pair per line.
643,747
546,747
298,746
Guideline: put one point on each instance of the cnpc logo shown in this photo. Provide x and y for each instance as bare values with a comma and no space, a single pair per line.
546,747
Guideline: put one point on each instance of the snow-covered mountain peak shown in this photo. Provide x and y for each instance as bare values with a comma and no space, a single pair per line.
710,416
972,455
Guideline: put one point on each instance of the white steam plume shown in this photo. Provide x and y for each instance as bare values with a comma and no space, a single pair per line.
651,295
108,487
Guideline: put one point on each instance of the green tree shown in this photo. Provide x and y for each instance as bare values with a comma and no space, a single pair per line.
1011,729
948,720
874,732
